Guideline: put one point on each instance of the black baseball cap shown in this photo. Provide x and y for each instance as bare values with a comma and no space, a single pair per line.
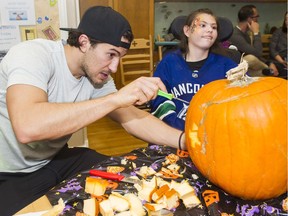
104,24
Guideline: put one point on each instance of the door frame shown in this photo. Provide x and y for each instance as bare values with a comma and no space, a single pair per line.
69,15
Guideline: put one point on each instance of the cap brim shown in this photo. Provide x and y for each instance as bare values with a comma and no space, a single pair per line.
69,29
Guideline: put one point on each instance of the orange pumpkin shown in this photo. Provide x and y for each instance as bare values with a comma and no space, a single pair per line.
237,136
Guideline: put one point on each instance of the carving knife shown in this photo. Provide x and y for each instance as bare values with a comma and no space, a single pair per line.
170,96
116,177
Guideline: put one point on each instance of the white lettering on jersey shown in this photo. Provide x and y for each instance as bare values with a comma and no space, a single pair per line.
186,88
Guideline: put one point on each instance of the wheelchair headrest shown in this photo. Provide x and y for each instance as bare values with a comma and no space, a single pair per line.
225,28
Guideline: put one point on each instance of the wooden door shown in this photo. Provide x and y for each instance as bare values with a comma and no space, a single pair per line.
140,15
85,4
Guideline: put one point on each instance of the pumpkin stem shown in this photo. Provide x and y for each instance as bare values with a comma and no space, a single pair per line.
237,76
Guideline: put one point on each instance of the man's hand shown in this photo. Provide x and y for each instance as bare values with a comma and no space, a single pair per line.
283,62
274,69
254,27
139,91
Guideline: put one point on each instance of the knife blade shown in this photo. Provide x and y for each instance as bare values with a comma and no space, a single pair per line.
115,177
170,96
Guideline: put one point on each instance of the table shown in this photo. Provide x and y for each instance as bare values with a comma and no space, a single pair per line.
214,201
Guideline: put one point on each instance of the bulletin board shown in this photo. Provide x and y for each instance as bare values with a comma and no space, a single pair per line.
47,19
23,20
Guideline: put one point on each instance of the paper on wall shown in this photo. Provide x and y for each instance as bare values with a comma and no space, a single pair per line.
17,12
9,36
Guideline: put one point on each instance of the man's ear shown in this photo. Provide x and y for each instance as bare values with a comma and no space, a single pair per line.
84,42
249,20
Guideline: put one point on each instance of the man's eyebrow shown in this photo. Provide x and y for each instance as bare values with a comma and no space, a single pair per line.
115,51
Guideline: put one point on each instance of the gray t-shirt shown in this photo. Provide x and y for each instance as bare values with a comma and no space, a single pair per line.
41,63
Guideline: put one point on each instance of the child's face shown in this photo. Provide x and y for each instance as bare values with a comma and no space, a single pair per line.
203,31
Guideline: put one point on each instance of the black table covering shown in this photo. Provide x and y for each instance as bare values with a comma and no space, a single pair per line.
214,201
